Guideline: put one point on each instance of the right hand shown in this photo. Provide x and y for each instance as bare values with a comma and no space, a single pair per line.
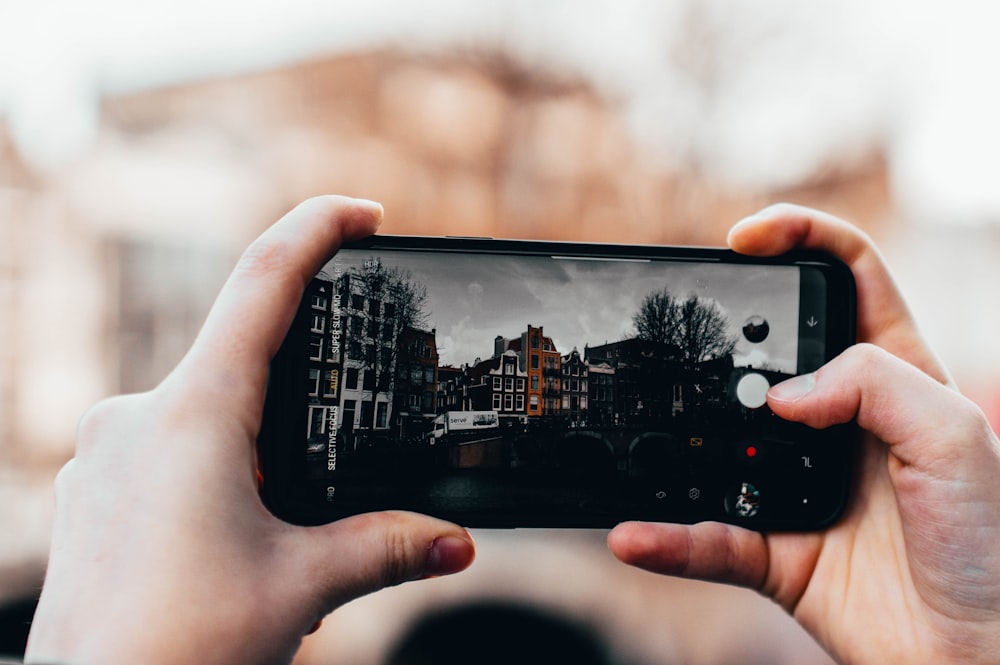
911,573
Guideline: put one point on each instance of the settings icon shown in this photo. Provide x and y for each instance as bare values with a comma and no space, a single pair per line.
694,493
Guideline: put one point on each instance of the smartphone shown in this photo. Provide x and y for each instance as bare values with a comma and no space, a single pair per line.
506,383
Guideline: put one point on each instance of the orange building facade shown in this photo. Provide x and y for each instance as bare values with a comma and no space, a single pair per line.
543,364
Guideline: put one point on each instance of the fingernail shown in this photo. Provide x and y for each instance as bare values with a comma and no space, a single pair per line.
448,555
793,389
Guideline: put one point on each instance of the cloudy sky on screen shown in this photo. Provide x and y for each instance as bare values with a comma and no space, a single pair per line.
473,298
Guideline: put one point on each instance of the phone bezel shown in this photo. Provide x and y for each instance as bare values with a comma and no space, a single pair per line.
279,472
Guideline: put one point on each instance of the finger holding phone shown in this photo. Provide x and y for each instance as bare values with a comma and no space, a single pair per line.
911,573
162,550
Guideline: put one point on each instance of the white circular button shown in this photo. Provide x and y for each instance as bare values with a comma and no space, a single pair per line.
752,391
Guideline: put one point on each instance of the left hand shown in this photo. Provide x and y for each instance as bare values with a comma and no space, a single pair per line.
162,551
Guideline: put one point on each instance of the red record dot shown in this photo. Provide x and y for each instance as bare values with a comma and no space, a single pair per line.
751,451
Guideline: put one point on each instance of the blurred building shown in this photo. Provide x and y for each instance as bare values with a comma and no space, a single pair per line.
417,381
498,384
149,221
108,266
538,357
574,389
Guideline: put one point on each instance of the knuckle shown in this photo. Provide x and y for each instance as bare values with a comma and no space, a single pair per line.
401,553
95,420
865,353
396,555
323,205
971,419
64,478
265,257
782,208
863,359
393,551
105,416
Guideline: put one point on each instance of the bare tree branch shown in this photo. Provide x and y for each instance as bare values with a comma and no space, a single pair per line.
696,326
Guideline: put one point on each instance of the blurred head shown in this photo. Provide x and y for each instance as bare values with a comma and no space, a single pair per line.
487,632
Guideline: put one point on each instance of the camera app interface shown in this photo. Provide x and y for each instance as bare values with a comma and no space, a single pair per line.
449,378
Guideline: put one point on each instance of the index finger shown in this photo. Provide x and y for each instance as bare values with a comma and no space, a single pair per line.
252,313
884,318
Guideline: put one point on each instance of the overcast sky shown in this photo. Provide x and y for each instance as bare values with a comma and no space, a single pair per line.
473,298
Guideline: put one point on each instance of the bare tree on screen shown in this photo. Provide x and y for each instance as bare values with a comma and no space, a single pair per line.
695,326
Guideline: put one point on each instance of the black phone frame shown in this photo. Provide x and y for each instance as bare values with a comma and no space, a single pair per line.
282,484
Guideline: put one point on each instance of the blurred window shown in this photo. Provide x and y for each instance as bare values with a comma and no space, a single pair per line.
164,292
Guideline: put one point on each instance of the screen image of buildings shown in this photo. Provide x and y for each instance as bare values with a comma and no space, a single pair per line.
376,377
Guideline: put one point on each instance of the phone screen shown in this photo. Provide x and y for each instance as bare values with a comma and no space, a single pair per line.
520,384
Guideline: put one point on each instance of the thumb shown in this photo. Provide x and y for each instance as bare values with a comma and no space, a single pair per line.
924,422
943,464
255,307
364,553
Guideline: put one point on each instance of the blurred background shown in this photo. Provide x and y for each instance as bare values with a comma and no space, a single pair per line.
143,145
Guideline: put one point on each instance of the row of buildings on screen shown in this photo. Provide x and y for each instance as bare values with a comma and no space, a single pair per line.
379,379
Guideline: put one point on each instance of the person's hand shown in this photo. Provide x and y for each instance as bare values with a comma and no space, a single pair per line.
162,551
911,573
